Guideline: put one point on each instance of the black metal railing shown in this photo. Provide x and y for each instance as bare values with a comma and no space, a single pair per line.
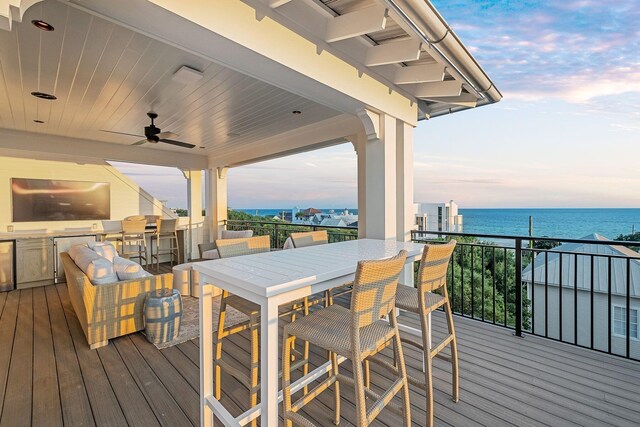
280,231
581,292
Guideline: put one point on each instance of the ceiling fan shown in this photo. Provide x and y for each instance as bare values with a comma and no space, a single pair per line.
154,135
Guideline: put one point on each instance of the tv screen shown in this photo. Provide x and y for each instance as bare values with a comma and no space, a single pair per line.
57,200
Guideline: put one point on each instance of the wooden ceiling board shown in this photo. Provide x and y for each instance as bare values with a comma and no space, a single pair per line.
108,77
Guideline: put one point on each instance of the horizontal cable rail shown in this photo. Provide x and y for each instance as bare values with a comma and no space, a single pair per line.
580,292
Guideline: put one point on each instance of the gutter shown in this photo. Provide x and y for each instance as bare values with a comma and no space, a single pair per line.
431,28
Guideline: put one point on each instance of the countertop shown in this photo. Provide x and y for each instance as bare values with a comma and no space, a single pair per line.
36,234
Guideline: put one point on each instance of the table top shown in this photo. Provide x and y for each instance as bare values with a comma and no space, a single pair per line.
271,273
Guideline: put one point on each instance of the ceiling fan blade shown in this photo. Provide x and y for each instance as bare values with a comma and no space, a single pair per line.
167,135
121,133
142,141
178,143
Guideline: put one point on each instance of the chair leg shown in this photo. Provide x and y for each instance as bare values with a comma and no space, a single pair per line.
361,406
336,389
454,353
402,370
367,374
254,325
286,378
218,344
428,368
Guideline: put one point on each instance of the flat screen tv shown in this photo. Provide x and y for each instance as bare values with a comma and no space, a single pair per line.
57,200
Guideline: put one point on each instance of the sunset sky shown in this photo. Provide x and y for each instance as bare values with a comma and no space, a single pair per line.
566,133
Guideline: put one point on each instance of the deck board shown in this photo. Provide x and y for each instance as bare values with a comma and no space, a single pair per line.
504,380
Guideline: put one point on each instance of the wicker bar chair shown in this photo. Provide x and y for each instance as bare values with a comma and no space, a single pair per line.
237,247
358,334
134,240
313,238
432,276
166,231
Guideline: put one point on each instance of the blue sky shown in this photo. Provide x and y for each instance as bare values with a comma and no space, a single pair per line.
565,135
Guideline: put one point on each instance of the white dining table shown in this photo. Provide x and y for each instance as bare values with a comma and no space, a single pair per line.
271,279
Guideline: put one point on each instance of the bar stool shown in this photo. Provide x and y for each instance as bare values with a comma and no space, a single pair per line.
238,247
134,242
357,334
313,238
432,275
166,231
111,231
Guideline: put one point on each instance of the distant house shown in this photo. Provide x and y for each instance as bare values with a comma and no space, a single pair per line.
333,222
582,254
438,217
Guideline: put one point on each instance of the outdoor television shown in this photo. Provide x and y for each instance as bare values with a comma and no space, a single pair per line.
57,200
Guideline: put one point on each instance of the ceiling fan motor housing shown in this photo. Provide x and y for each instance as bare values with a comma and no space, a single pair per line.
151,132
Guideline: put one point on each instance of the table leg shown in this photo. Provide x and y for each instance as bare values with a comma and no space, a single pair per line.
269,384
206,354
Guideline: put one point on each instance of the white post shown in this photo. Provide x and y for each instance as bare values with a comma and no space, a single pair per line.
216,193
194,201
376,148
405,217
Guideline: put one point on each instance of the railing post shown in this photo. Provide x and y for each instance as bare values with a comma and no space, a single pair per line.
276,236
518,285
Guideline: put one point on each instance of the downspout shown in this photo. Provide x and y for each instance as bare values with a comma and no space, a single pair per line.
431,29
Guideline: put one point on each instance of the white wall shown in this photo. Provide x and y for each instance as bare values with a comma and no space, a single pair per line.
600,321
127,198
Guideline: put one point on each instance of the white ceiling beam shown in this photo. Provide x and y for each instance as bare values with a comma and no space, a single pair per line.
277,3
358,23
393,53
419,74
465,100
436,89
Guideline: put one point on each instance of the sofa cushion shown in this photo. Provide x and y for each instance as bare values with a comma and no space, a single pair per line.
237,234
104,249
98,269
75,250
128,270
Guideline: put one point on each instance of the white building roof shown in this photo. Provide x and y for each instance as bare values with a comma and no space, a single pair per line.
583,252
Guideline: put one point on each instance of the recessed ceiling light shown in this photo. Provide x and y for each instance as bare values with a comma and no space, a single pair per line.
44,26
296,112
38,121
43,95
186,75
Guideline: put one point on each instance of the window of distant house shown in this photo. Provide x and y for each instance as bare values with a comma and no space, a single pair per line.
620,321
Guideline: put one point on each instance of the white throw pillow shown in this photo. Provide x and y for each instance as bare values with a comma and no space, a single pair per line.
128,270
237,234
98,269
212,254
74,250
104,249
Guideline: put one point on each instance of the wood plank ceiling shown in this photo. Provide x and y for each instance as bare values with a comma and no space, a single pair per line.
107,77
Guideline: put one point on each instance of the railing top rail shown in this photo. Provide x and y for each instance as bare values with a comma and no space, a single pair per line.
286,224
527,238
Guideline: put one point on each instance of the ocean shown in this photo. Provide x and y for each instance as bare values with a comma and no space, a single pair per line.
565,223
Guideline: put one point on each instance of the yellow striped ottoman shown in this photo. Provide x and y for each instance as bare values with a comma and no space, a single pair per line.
162,315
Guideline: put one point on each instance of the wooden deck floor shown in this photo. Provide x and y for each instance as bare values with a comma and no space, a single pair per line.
49,376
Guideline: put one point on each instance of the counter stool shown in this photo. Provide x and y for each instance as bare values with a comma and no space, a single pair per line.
432,276
134,242
357,334
237,247
166,231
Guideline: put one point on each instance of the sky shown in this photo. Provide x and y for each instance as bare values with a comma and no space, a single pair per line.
566,133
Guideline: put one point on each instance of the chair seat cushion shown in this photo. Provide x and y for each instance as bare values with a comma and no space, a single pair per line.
104,249
212,254
407,299
128,270
330,328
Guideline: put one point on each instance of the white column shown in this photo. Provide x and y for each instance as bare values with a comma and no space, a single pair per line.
196,222
216,200
385,180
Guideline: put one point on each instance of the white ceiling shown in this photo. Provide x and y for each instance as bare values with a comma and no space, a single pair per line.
108,77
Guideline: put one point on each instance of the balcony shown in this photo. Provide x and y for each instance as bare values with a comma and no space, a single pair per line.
48,376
